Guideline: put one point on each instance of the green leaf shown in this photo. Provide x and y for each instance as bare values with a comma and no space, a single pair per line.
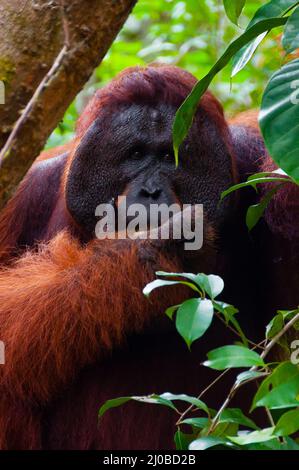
232,356
197,422
275,326
235,415
242,57
288,423
255,212
274,8
164,399
170,311
211,284
152,399
279,117
155,400
182,440
248,375
290,38
228,311
113,404
280,389
253,183
278,171
194,317
290,444
233,9
262,435
186,398
185,113
204,443
190,276
288,314
274,444
224,429
157,283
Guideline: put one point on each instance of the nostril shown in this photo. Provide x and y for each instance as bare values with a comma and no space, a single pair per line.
155,194
144,193
150,193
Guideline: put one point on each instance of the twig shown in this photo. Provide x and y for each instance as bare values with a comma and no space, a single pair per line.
270,418
236,332
65,24
213,383
268,413
229,397
271,421
38,92
190,408
237,385
280,334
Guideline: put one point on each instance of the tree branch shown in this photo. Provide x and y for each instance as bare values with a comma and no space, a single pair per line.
75,37
5,152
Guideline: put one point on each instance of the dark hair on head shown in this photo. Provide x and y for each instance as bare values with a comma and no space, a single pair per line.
150,85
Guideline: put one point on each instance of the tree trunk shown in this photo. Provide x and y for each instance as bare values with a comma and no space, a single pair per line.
32,36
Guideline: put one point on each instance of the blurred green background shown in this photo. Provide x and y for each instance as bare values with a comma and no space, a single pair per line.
191,34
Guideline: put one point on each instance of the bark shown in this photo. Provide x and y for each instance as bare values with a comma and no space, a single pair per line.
32,35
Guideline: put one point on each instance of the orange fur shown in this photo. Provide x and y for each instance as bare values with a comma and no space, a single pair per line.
246,118
62,294
70,302
64,307
50,153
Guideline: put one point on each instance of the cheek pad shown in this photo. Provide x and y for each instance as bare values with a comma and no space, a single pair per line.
92,180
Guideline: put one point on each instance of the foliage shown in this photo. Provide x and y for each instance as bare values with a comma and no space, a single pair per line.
279,118
187,33
278,389
229,427
255,212
185,114
280,103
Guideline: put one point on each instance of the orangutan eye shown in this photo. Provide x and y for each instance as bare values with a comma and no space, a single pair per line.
168,156
136,155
